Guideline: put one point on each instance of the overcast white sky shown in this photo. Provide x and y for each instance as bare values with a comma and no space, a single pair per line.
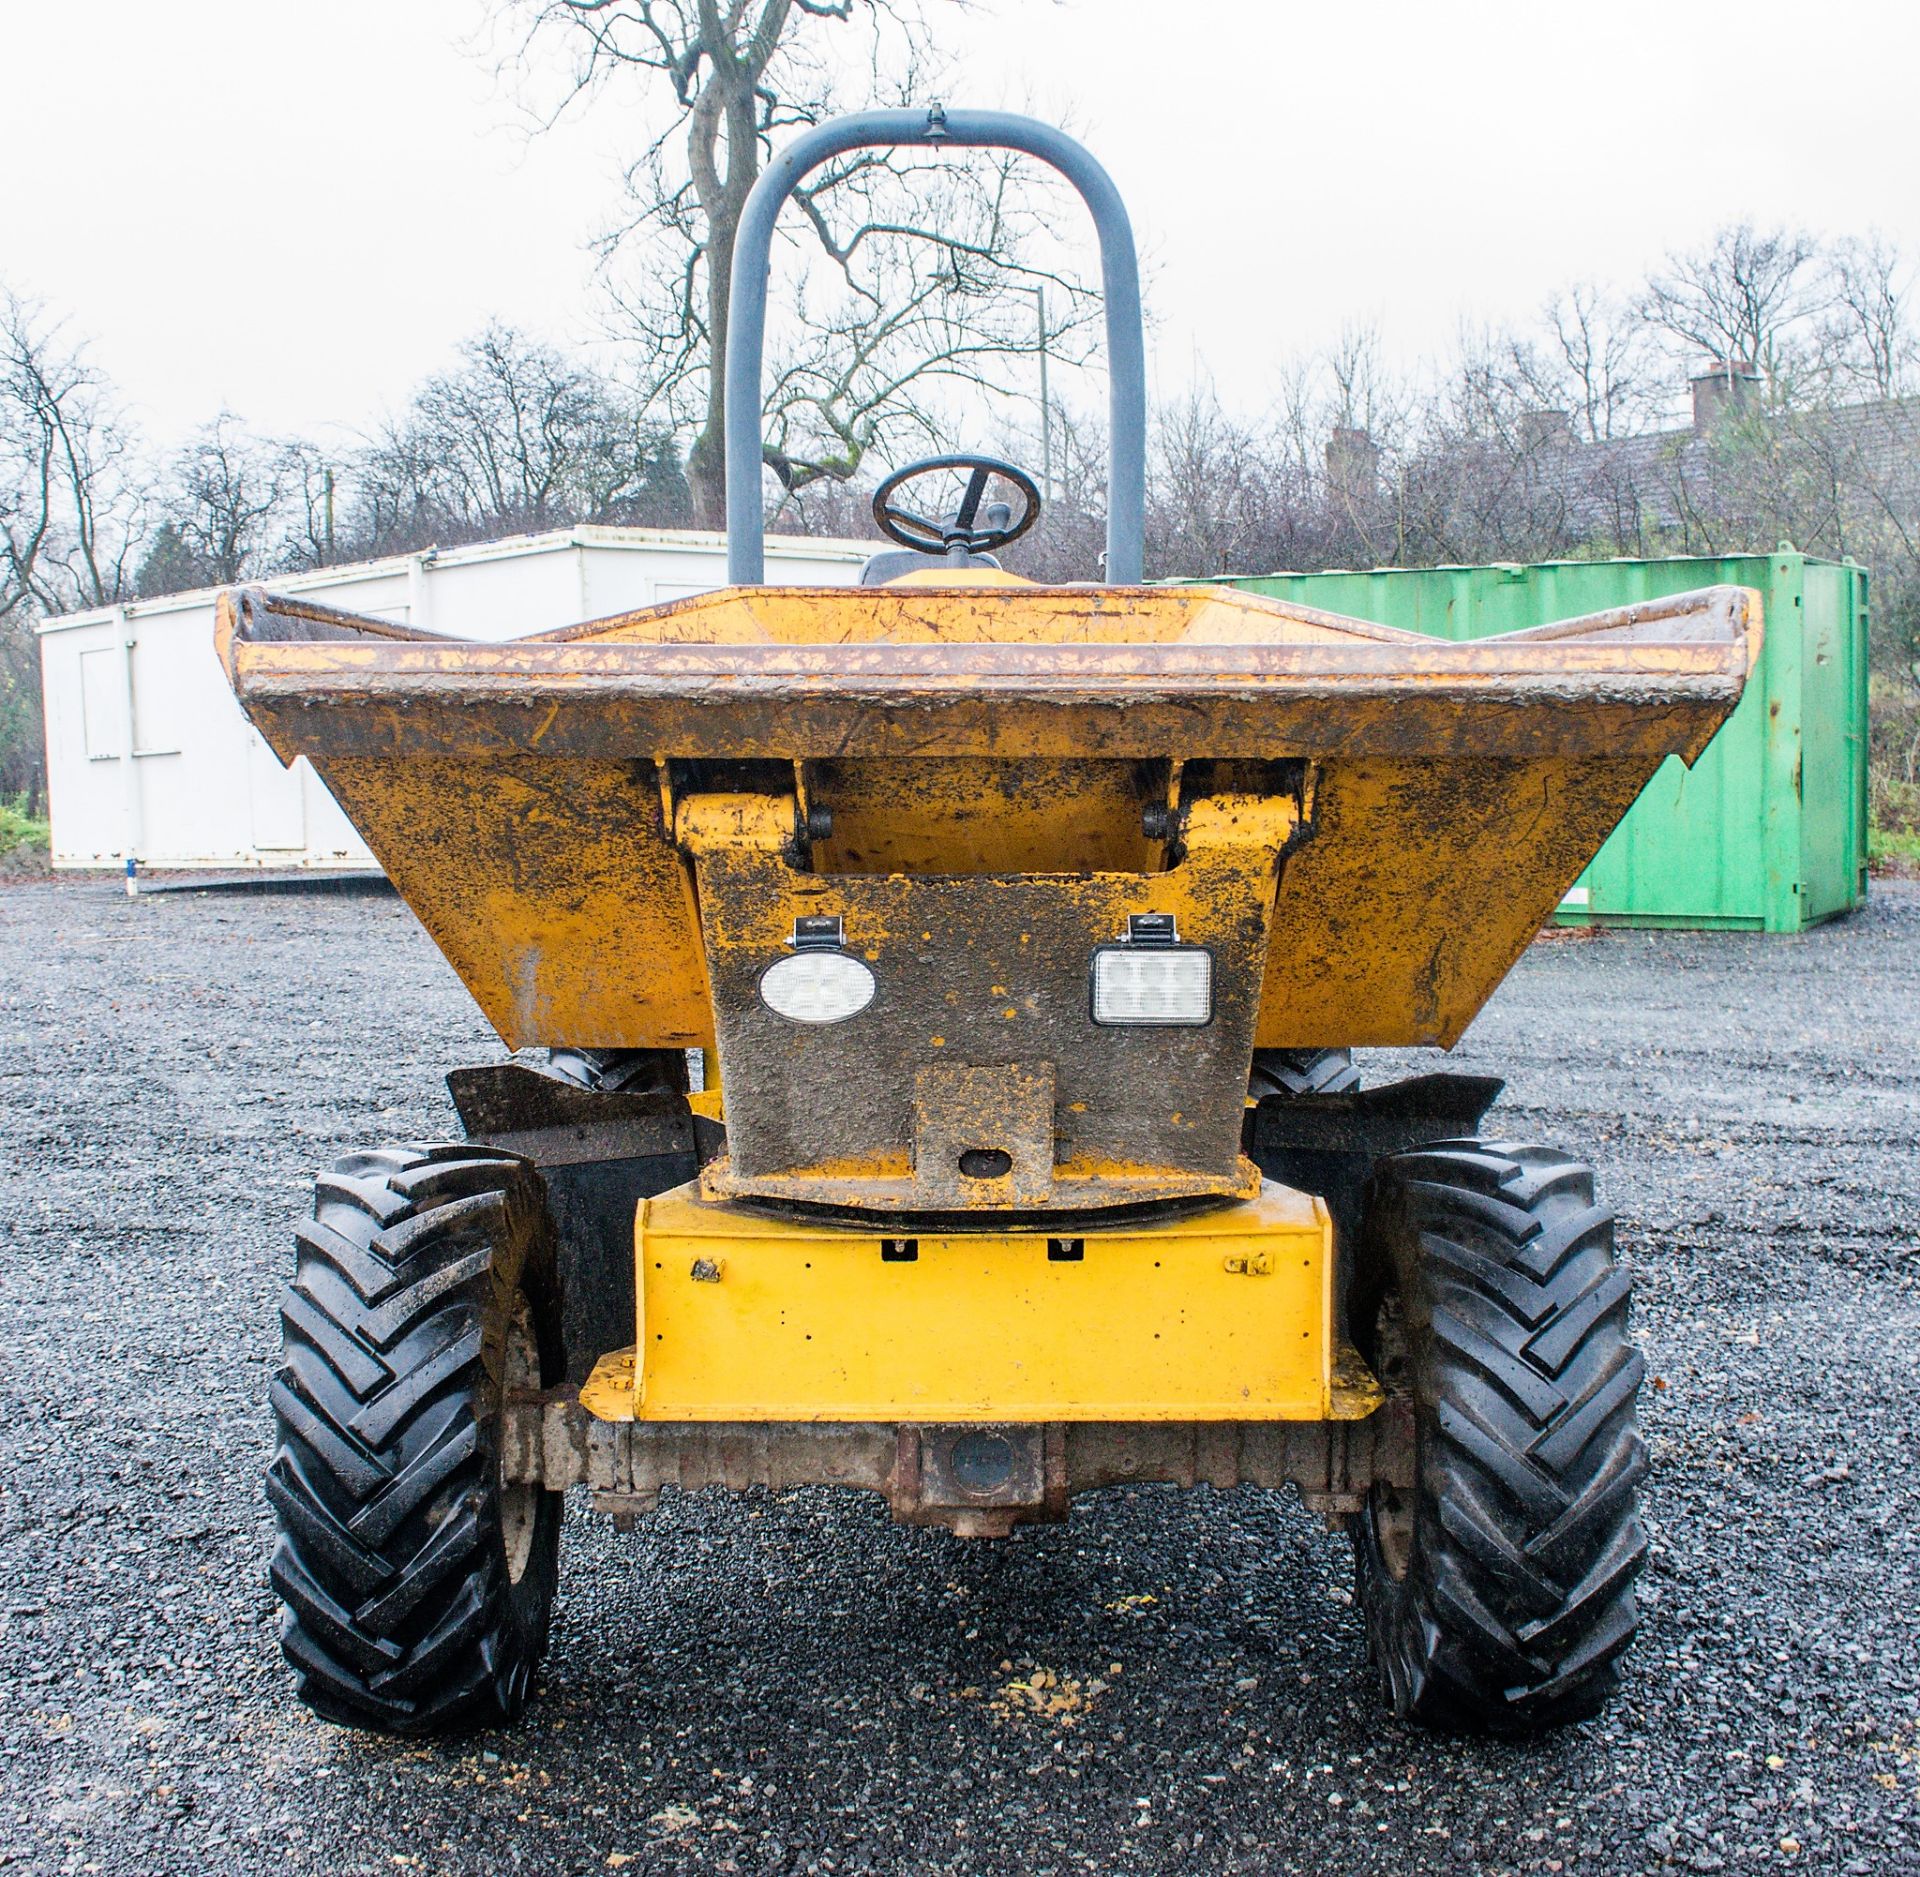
296,211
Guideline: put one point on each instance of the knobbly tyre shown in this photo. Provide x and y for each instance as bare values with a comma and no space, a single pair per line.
1023,935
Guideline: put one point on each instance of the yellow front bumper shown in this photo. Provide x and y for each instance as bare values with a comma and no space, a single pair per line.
1224,1316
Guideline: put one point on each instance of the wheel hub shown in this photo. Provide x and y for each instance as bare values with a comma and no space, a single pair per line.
1390,1508
519,1503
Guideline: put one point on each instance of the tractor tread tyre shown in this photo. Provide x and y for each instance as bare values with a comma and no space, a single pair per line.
1499,1593
402,1608
1292,1072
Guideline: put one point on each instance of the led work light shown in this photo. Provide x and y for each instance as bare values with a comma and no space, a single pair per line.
1151,980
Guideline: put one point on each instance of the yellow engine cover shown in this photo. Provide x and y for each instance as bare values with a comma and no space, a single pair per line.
1227,1315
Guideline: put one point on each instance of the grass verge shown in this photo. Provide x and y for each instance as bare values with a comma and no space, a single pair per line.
19,829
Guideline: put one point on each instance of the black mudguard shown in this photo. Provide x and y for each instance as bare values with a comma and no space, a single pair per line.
1328,1144
601,1153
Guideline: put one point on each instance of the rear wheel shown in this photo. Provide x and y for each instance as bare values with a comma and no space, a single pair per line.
1498,1590
417,1579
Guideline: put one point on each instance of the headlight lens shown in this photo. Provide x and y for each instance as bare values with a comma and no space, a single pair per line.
817,987
1142,985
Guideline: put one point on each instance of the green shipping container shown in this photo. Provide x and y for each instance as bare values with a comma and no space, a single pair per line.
1768,830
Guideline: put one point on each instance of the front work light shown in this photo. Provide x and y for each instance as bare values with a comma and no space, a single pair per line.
1151,979
817,987
819,983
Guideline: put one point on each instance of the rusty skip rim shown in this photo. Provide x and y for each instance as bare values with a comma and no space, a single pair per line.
1039,668
1640,670
1347,690
1722,618
400,714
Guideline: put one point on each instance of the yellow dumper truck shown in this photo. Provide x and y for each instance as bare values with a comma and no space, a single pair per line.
948,988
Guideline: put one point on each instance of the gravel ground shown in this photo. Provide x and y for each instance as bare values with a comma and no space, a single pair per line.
1167,1682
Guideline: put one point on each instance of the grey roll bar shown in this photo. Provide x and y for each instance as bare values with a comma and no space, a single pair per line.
974,130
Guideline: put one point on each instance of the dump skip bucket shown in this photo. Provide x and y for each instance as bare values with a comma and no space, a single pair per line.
611,830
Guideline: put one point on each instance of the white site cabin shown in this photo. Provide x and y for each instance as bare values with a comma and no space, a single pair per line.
150,759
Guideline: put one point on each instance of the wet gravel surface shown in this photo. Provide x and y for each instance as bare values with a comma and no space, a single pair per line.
787,1684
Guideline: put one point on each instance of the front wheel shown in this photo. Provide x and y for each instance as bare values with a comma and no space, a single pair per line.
1292,1072
1498,1590
416,1577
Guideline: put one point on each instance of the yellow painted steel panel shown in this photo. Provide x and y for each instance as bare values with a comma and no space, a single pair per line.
1419,890
1223,1316
550,886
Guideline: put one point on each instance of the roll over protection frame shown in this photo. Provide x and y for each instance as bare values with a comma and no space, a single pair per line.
939,127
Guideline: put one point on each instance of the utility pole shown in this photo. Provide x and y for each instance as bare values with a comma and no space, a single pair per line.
1046,406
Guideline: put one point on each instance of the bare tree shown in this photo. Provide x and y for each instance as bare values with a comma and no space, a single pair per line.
1870,335
1479,477
1361,396
517,436
1069,540
920,297
1213,489
1747,296
221,495
313,535
68,514
1341,428
916,274
1592,361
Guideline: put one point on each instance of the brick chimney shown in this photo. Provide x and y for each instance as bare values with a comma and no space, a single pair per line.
1353,466
1725,387
1546,430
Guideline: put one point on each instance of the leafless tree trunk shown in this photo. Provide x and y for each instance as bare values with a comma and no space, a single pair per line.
1740,298
916,280
67,515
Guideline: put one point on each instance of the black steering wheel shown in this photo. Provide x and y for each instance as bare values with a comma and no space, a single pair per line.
970,530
